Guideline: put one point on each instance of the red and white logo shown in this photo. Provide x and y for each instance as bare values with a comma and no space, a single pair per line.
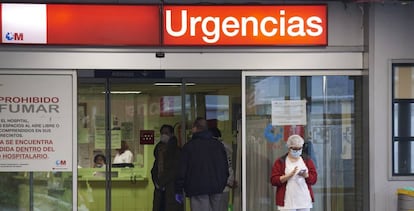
197,25
23,23
70,24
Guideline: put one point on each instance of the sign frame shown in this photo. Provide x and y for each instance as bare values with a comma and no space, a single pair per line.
166,25
71,115
293,25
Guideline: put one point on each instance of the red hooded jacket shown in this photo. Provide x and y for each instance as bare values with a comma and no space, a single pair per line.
278,170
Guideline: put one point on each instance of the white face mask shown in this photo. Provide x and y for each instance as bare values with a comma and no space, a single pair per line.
295,153
164,138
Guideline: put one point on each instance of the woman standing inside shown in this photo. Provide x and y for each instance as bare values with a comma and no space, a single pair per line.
123,155
294,174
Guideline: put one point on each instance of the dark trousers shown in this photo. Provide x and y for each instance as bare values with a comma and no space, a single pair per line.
159,200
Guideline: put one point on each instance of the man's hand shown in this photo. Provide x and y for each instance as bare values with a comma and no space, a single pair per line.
235,184
158,187
179,198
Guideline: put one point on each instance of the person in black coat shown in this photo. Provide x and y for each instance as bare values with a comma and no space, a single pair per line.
203,169
164,170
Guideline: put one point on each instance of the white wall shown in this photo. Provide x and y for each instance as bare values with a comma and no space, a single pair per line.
391,37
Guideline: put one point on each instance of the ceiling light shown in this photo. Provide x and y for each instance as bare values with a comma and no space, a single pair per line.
172,84
124,92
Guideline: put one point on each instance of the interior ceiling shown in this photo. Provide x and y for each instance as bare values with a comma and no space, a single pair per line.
151,89
206,81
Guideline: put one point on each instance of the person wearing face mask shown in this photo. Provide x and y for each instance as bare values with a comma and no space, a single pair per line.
167,155
293,174
99,161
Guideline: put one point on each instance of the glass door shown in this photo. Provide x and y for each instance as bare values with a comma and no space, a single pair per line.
126,114
326,111
120,120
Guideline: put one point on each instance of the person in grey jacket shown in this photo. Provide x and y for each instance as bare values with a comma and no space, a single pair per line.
203,169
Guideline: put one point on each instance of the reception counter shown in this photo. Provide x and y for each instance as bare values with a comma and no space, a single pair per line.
117,174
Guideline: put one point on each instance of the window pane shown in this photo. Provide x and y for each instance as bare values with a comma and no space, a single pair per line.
403,119
404,82
403,157
11,193
330,127
51,191
398,113
137,106
217,107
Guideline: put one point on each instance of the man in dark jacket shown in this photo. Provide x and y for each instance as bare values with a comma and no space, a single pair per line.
164,171
203,169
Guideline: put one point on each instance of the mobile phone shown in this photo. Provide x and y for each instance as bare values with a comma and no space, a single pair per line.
302,171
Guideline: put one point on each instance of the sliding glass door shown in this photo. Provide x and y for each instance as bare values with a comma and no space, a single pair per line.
116,112
326,110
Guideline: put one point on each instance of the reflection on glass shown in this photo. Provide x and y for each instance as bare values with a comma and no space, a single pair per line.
403,82
403,119
135,119
330,128
51,190
217,107
11,194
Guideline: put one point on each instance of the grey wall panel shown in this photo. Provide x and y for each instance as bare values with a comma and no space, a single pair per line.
391,37
345,24
263,61
78,60
179,61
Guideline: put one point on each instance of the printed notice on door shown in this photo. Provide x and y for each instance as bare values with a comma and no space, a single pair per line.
288,112
36,122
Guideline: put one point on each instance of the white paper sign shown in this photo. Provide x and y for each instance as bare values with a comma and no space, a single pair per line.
288,112
36,128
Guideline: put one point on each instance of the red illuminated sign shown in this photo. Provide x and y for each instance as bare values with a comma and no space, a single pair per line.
245,25
103,25
183,25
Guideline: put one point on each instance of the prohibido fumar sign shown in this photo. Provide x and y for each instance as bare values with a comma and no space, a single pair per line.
36,122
